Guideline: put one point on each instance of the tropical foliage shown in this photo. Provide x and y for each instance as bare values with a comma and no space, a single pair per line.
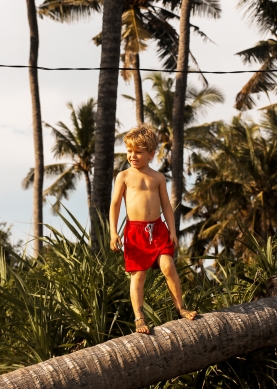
68,299
77,144
235,167
158,108
263,15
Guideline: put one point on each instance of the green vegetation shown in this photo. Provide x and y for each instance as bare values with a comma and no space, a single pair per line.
68,299
74,294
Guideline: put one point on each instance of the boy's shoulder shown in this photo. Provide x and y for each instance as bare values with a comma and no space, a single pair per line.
157,174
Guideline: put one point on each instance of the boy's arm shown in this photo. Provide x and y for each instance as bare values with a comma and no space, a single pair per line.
167,210
115,240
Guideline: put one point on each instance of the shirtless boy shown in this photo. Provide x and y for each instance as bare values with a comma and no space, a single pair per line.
147,241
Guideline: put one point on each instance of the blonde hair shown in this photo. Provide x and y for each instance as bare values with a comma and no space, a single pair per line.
142,137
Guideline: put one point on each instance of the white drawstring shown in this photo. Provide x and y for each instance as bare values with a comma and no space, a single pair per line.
149,228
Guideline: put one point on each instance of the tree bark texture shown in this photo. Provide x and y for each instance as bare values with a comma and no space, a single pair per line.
89,197
175,348
106,111
178,111
37,126
138,89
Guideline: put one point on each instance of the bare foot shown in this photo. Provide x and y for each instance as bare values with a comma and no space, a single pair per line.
185,314
141,326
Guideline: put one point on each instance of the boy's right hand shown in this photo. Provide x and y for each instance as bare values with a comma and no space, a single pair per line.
115,242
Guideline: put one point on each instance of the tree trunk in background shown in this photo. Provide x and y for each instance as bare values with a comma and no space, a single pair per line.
138,90
37,126
89,197
106,111
178,111
175,348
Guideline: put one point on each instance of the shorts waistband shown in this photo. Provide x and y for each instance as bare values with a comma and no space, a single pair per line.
143,223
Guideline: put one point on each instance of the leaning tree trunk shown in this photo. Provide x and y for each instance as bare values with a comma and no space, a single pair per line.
138,89
37,126
178,111
175,348
106,111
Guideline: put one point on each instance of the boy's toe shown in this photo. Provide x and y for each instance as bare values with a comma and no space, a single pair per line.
185,314
141,326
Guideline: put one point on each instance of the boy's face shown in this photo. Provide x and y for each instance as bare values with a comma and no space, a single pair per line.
138,157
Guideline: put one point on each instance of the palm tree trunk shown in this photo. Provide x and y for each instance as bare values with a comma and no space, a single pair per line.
37,126
89,197
178,111
138,89
106,111
175,348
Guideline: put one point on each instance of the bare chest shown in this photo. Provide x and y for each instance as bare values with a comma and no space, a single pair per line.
142,184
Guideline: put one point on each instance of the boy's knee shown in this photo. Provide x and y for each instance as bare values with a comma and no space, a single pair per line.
168,269
138,275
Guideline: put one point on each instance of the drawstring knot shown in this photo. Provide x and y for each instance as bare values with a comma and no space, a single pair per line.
149,229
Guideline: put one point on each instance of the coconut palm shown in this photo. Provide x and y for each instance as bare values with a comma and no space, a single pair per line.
107,92
263,15
37,126
236,182
78,144
211,8
174,349
106,112
159,111
141,22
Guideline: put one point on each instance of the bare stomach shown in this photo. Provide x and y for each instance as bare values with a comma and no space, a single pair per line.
143,210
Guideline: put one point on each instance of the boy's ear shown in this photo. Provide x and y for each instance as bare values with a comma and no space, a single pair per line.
151,155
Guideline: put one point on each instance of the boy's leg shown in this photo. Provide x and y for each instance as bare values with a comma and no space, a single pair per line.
168,268
137,298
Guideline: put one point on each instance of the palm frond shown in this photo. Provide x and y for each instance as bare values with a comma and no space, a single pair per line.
208,8
55,169
63,186
201,100
69,10
29,179
259,82
261,14
201,76
165,36
64,142
263,51
197,31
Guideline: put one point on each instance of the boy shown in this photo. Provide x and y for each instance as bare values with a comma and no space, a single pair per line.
147,241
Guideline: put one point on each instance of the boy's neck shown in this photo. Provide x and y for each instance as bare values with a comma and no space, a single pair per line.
143,169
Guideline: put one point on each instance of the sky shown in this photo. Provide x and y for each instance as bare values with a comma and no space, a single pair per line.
70,45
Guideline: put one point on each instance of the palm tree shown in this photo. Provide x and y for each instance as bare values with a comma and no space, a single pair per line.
263,15
106,112
77,144
37,126
107,92
236,183
187,6
159,111
173,349
142,21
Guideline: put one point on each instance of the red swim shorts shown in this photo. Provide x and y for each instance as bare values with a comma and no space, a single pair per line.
144,242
